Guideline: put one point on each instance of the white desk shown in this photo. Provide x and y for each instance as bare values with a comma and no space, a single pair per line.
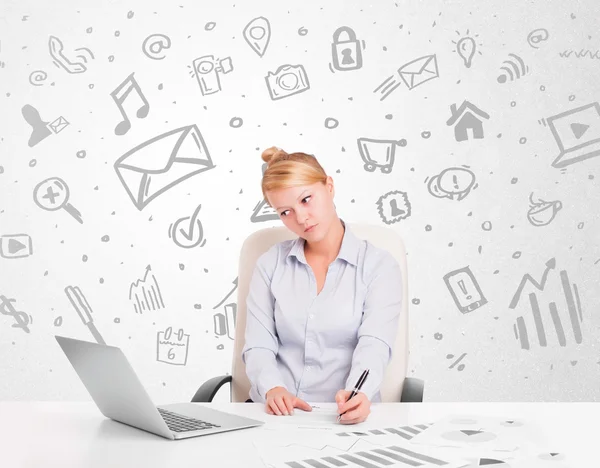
43,434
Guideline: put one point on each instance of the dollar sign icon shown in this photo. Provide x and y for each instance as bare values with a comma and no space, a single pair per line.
21,318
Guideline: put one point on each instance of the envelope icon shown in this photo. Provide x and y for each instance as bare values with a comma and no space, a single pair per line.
162,162
58,125
419,71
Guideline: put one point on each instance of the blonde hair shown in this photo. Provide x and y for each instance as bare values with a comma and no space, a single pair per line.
289,170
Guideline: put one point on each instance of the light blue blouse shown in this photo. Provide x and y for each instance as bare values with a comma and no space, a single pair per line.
314,345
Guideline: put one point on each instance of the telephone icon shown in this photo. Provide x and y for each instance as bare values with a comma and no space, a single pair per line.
55,47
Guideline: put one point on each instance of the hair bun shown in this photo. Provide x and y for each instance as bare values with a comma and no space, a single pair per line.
272,154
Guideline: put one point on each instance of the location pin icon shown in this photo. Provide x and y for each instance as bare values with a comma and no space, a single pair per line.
466,49
257,34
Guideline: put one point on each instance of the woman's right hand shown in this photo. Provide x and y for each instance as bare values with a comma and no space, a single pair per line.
280,402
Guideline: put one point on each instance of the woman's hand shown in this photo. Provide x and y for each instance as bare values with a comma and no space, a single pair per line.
357,409
280,401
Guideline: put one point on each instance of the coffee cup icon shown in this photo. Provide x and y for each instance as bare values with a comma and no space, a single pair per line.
378,154
543,212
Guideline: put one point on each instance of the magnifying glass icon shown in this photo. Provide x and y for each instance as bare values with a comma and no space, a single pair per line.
53,194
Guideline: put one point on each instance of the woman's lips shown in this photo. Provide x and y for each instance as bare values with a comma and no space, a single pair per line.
310,228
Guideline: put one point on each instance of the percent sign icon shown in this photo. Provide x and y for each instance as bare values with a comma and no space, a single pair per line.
461,366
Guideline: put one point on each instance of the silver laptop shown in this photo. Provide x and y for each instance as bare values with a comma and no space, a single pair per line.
119,395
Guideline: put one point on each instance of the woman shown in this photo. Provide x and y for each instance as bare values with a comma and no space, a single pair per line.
321,308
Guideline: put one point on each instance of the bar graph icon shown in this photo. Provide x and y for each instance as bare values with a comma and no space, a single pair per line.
145,294
392,455
224,322
555,324
406,432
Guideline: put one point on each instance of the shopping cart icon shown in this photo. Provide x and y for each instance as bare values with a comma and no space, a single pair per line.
378,153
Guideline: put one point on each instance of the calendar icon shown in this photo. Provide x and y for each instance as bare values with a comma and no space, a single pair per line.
172,349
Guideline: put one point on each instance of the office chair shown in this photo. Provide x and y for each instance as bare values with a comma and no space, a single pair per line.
395,387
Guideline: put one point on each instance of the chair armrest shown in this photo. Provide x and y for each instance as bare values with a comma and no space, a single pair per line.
412,391
208,389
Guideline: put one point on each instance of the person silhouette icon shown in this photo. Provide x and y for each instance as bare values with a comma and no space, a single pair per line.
40,130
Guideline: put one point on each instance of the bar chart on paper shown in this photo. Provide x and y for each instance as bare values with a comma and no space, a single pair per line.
406,432
331,450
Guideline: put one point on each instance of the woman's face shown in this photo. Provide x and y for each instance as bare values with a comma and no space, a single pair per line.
308,206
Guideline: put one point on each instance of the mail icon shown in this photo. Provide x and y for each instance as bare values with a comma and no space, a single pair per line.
161,163
58,125
419,71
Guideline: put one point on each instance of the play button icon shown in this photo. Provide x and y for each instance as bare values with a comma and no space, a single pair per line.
15,246
579,129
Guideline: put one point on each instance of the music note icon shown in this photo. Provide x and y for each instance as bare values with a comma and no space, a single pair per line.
120,94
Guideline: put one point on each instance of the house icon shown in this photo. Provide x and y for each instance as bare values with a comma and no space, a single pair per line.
466,117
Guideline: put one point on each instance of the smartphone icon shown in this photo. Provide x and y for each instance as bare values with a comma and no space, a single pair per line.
464,289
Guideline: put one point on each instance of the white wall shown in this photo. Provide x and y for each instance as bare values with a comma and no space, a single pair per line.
486,224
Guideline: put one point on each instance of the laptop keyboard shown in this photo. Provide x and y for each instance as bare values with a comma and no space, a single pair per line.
179,423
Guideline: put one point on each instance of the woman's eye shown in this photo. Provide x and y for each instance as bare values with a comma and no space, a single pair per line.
306,198
283,213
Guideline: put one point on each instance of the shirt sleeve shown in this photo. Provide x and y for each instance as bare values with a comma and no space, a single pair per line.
379,325
261,340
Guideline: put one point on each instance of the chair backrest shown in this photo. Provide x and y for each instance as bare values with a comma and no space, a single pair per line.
259,242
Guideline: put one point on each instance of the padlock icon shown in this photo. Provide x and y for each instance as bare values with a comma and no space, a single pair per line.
347,54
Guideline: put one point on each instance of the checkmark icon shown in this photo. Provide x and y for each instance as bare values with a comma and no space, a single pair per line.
191,232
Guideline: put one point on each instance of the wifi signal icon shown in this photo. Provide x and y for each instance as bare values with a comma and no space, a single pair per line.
513,69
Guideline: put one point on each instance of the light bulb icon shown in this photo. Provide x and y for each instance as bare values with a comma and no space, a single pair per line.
466,49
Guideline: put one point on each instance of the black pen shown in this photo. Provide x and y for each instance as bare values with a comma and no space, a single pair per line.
357,387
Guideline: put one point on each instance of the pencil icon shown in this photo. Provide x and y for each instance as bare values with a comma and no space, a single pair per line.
83,309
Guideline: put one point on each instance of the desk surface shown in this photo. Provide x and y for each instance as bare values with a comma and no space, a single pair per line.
65,434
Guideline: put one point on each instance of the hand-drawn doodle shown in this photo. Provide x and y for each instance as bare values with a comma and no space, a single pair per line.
23,320
189,235
120,94
464,289
536,36
466,48
161,163
460,367
393,207
262,210
207,70
572,300
154,44
84,310
577,134
15,246
413,73
454,183
287,81
542,213
40,128
53,194
467,117
171,349
593,54
378,153
37,77
346,50
224,322
514,69
55,46
145,294
58,125
257,34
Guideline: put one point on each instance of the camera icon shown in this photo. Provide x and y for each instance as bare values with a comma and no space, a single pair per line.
287,81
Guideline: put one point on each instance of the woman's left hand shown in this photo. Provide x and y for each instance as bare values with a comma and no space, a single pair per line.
357,409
